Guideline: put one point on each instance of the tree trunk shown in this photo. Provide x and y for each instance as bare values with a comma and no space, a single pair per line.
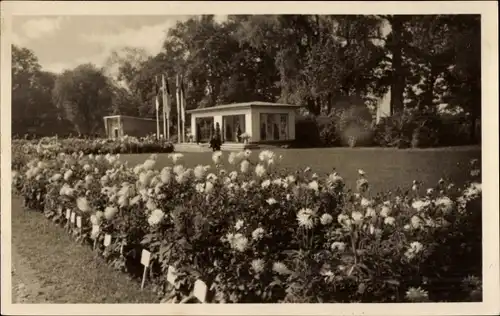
398,79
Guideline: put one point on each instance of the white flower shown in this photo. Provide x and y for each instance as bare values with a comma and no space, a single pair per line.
239,224
233,175
87,168
135,200
280,268
305,218
361,172
176,157
258,233
179,169
238,242
416,222
156,217
151,205
326,219
82,204
216,157
445,204
271,201
385,211
357,216
390,221
244,166
291,179
260,170
407,227
420,205
149,164
209,187
88,179
199,172
338,245
110,212
56,177
211,177
248,153
200,187
266,183
415,248
232,158
370,212
417,295
68,174
342,218
430,191
365,202
313,185
266,155
258,265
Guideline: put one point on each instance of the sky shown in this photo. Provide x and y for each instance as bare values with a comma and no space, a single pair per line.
64,42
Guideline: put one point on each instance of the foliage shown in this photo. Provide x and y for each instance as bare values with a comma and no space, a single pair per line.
257,234
84,95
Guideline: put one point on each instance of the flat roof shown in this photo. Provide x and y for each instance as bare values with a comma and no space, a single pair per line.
131,117
243,105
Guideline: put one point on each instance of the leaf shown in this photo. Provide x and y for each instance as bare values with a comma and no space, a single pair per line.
392,282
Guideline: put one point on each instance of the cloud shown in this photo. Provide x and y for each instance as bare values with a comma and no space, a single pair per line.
149,37
37,28
59,67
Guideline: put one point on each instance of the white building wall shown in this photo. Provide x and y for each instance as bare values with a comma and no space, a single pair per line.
252,119
255,126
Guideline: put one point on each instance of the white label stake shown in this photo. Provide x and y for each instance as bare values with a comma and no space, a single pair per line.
171,275
145,257
200,290
107,240
79,221
68,213
73,216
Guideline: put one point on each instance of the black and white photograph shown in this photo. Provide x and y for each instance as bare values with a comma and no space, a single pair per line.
282,160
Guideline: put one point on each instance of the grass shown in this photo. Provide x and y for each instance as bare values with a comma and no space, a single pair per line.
386,169
71,271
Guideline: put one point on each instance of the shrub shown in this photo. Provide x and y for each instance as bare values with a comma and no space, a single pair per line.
259,235
307,133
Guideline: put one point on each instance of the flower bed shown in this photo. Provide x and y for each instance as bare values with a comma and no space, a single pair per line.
258,235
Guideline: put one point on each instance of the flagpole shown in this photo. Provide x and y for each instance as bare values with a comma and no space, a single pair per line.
183,104
157,105
164,92
178,109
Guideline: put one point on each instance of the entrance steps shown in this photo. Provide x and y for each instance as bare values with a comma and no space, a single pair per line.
205,147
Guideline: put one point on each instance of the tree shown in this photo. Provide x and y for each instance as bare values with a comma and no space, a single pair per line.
32,107
84,94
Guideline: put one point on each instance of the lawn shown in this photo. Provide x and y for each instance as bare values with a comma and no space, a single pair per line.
386,169
68,272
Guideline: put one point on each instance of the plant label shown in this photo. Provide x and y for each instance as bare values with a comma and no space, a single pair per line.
200,290
107,240
171,275
79,221
73,216
145,257
68,213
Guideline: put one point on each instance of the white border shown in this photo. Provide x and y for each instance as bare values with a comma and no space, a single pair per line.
489,12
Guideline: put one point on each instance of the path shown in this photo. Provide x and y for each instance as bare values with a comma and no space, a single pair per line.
26,286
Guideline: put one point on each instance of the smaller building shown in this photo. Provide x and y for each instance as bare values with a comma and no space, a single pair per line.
117,126
263,122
